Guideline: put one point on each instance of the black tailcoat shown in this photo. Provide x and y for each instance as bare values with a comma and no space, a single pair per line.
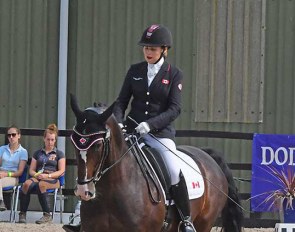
158,104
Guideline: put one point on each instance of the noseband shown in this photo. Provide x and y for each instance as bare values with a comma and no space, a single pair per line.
83,142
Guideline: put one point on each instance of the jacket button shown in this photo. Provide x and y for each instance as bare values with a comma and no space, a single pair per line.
147,93
147,103
146,112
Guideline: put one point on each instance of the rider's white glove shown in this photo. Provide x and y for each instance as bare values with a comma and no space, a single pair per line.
122,127
143,128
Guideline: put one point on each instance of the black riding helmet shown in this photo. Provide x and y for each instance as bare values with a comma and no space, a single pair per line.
156,36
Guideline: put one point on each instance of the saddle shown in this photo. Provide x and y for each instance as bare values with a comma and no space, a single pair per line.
153,161
160,168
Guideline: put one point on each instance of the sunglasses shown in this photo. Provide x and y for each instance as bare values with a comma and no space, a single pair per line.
11,135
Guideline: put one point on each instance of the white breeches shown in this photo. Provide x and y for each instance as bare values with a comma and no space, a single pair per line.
167,152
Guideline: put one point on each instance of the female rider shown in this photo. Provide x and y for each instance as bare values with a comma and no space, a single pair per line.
155,87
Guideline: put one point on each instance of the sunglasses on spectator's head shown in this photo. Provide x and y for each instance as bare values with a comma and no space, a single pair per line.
11,135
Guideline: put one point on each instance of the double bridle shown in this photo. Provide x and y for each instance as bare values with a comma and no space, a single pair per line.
103,137
100,137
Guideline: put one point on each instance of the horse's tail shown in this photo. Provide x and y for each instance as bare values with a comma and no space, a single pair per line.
232,214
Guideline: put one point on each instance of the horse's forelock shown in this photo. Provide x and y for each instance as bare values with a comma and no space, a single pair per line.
98,110
99,104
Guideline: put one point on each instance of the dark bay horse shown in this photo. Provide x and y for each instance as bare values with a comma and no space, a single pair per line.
117,198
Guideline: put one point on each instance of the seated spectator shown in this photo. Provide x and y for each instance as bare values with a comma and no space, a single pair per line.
13,159
47,165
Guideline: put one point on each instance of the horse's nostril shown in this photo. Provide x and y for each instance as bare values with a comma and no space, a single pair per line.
88,193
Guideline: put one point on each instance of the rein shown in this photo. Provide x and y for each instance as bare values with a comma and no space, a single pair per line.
98,173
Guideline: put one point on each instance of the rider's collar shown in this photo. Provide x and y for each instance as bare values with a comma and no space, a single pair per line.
157,65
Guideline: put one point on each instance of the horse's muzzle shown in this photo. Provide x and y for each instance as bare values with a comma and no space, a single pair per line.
85,192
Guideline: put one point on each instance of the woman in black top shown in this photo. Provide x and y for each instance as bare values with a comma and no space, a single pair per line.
47,165
155,89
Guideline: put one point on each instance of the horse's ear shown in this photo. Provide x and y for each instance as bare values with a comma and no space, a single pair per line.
74,105
107,113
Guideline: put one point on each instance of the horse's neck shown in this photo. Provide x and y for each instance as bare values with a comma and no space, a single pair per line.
126,168
123,162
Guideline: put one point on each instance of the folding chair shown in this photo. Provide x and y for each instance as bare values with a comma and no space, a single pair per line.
14,191
58,191
55,192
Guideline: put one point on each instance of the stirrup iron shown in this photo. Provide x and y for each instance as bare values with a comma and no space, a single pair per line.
185,222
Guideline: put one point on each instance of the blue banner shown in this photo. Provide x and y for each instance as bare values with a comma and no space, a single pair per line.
273,168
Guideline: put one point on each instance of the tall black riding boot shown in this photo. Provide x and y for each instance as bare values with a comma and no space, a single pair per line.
181,199
43,199
24,201
47,217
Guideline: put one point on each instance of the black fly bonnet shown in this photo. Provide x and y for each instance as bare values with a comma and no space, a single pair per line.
86,132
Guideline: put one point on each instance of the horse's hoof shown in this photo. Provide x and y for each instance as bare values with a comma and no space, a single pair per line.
72,228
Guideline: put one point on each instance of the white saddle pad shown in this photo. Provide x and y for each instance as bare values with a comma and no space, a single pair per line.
193,177
192,174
